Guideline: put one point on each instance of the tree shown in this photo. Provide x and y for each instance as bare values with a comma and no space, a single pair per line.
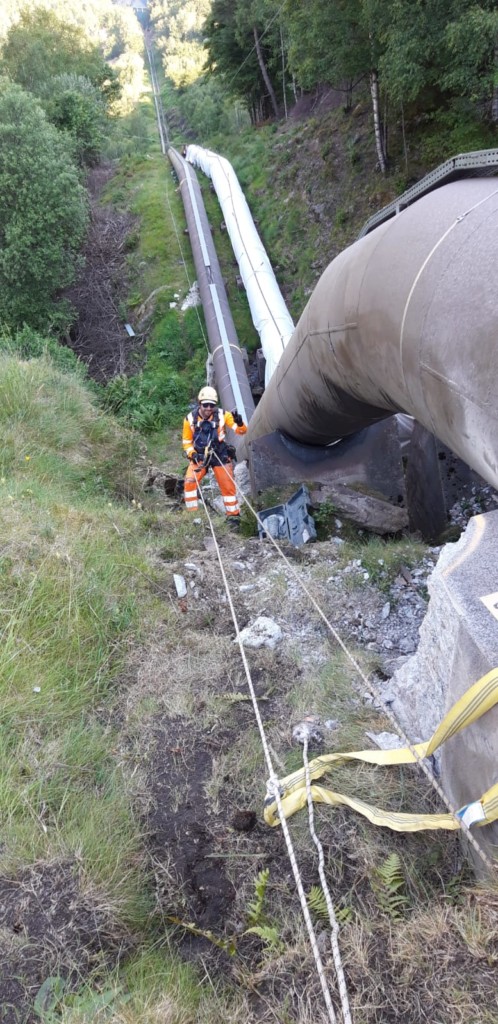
43,212
339,43
243,54
179,28
121,32
471,37
254,18
129,68
75,106
41,46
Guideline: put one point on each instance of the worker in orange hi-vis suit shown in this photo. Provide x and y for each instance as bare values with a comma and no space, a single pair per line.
204,444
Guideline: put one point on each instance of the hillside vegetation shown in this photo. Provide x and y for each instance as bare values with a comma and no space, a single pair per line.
139,883
130,762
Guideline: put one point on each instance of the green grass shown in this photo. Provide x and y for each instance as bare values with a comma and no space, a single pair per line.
161,272
69,593
94,651
84,596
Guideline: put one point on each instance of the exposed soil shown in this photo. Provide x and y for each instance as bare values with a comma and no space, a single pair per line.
207,846
202,800
49,927
99,336
181,827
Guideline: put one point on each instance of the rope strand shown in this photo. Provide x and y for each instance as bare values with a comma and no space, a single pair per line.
334,926
376,693
274,784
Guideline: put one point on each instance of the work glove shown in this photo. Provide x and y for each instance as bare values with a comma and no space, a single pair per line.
196,457
237,418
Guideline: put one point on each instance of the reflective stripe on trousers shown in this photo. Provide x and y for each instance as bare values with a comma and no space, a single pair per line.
226,483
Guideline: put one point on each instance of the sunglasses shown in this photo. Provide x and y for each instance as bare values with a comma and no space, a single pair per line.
208,405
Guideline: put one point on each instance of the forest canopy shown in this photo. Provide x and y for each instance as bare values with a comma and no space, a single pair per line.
79,65
43,211
68,68
437,47
413,56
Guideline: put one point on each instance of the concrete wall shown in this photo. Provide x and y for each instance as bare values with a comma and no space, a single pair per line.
458,645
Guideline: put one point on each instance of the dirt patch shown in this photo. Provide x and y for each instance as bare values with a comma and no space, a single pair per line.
322,99
183,832
99,336
50,928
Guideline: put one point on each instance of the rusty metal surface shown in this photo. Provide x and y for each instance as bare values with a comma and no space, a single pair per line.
406,319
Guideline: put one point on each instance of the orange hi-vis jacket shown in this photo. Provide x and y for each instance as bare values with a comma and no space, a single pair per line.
225,419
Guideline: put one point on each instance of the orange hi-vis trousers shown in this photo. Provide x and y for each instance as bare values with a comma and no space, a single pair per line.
226,483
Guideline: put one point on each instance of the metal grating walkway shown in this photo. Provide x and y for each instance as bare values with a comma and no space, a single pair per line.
465,165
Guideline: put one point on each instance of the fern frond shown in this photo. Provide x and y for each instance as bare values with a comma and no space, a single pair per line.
318,906
387,881
344,915
317,902
269,934
255,907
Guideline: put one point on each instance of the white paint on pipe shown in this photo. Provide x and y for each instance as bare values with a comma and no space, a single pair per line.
232,373
200,232
269,312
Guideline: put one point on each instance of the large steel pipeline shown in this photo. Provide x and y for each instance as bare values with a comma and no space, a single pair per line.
228,364
404,320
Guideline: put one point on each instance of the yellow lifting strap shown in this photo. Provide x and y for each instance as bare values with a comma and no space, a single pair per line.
482,696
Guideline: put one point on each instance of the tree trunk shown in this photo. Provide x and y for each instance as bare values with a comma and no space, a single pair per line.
283,73
494,103
374,90
405,149
264,72
349,96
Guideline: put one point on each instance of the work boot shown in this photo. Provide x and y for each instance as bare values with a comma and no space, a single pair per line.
233,522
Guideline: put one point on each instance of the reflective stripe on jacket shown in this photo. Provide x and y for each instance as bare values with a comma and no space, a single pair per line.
225,419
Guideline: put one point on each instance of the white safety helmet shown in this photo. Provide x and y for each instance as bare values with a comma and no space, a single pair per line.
208,395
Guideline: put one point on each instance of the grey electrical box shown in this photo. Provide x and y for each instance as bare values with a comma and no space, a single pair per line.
289,521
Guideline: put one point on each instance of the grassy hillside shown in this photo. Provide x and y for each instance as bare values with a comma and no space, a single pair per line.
130,764
133,855
80,599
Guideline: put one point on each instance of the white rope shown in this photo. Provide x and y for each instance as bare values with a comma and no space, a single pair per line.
378,696
274,786
334,926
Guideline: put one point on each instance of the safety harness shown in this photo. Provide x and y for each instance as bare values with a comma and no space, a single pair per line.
206,440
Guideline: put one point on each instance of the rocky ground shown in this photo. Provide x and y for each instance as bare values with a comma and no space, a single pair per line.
205,768
190,744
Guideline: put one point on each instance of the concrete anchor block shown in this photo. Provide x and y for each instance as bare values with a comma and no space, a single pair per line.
458,645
